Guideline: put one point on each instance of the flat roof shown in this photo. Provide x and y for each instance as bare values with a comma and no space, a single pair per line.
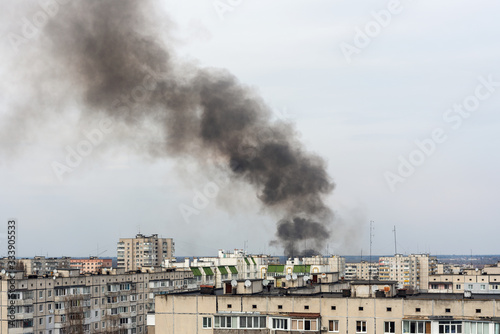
296,292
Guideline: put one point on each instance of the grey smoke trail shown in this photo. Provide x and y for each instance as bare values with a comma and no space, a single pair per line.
105,48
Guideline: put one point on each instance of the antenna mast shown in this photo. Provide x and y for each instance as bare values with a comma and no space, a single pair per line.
370,260
395,244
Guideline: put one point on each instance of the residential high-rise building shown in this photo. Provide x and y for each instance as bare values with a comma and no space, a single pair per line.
361,270
410,271
67,302
144,251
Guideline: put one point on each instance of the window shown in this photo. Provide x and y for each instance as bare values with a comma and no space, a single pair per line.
470,286
450,327
478,310
254,306
483,286
389,309
280,323
447,310
225,322
417,309
334,307
360,326
252,322
333,325
416,327
207,322
477,328
306,307
304,324
49,293
40,294
458,286
229,306
280,307
360,308
40,307
389,327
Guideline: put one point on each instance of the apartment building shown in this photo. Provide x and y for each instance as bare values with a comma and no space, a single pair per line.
92,265
68,302
227,265
39,265
144,251
482,284
264,312
412,271
361,270
333,263
240,265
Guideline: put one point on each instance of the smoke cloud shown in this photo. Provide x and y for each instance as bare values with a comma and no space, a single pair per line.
116,58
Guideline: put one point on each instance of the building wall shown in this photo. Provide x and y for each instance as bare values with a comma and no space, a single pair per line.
184,314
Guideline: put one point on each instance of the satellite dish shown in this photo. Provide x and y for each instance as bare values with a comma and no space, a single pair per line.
265,282
374,288
234,283
307,277
55,271
294,277
3,271
53,277
248,283
288,277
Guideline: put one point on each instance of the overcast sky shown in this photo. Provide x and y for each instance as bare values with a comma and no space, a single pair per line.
400,98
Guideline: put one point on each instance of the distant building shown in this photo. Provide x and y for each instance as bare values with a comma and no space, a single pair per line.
144,251
468,280
92,265
412,271
361,270
333,263
39,265
227,265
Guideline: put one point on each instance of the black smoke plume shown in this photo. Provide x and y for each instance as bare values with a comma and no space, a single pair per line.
116,56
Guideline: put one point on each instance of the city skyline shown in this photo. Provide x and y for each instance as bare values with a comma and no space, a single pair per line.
399,98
